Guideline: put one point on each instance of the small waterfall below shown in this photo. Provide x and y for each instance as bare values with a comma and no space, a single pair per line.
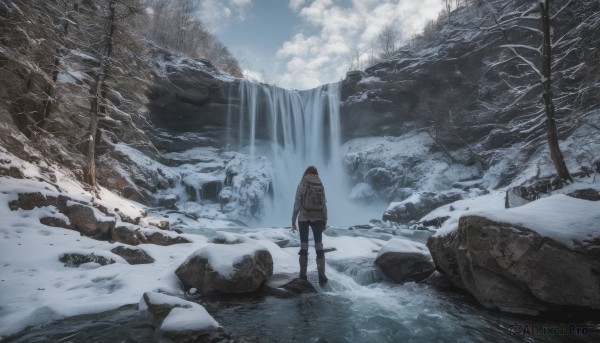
295,129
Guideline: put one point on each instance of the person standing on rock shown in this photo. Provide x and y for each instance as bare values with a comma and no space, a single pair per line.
310,208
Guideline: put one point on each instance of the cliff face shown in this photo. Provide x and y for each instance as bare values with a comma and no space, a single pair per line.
470,87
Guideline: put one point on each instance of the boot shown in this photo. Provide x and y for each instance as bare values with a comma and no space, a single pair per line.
321,270
303,263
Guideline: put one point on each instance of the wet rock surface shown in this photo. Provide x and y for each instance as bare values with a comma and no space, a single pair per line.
403,267
299,286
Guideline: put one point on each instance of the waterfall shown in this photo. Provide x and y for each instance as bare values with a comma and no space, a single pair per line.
295,129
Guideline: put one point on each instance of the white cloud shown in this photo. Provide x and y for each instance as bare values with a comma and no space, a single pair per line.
296,4
216,14
322,57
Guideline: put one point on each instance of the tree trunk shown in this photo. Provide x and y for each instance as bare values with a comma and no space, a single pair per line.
90,175
551,130
99,94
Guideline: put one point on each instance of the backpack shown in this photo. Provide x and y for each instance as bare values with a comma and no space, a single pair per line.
314,197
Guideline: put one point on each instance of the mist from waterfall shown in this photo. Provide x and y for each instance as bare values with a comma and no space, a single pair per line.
302,129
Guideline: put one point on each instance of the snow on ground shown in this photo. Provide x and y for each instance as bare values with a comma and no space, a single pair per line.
560,217
36,288
492,201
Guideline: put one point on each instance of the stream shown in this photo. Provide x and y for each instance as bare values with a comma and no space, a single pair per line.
358,304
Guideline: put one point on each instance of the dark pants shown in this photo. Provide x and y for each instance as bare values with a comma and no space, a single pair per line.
317,229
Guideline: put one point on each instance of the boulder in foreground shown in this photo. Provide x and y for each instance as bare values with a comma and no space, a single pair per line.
404,260
543,256
217,268
178,320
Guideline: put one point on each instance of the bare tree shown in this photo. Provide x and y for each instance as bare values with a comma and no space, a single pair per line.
176,26
552,132
388,40
447,8
113,14
539,61
355,62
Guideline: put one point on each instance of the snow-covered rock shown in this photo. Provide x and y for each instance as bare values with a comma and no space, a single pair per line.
133,255
178,320
404,260
418,205
509,258
217,268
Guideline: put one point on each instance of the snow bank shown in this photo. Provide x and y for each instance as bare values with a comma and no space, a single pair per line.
559,217
455,210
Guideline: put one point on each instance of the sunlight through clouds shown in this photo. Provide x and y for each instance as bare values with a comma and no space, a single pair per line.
319,52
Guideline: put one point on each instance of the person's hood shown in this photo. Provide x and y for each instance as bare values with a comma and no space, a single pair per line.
312,178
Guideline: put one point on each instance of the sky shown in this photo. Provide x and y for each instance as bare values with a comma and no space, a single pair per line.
302,44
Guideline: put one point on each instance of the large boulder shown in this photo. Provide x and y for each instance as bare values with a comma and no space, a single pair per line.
527,259
404,260
217,268
128,234
418,205
89,221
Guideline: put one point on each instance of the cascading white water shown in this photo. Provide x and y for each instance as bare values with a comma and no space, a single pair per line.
303,128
